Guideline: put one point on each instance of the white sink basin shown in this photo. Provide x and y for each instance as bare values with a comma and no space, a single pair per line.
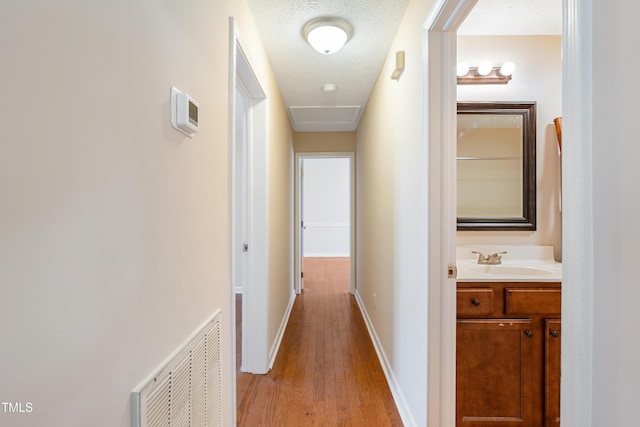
519,264
511,270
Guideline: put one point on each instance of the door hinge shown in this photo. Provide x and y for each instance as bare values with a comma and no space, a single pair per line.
302,274
452,272
245,247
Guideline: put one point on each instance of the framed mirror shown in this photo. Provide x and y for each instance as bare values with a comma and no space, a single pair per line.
496,166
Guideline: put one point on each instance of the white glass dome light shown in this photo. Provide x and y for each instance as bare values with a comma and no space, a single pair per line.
327,35
485,68
462,69
507,68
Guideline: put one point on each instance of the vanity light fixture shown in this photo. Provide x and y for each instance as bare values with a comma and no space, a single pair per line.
327,35
485,73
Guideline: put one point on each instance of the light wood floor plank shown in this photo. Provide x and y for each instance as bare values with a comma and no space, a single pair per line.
327,372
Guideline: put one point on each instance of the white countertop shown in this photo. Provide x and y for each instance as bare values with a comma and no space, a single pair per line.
519,264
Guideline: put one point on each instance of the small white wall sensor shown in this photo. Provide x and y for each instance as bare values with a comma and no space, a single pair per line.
184,113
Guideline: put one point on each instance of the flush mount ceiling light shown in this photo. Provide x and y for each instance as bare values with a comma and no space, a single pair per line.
327,35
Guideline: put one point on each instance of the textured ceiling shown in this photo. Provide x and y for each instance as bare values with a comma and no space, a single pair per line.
514,17
301,71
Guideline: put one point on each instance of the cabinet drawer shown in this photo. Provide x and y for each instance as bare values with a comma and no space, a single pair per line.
474,301
532,301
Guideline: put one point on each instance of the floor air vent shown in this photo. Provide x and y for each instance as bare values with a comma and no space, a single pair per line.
186,390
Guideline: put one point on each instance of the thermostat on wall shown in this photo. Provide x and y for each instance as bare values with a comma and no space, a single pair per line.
184,112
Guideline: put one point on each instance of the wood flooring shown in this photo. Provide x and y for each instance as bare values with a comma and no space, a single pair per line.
326,372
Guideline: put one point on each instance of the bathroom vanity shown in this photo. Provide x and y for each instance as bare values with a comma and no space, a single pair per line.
508,343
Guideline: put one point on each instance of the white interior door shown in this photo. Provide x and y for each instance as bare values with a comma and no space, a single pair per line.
301,231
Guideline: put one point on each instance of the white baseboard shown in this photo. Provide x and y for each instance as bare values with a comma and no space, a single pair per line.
403,408
283,325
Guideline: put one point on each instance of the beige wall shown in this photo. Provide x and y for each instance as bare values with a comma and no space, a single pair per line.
327,142
114,227
280,199
391,216
538,77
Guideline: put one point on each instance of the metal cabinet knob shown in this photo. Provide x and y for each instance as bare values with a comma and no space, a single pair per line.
554,333
475,302
528,334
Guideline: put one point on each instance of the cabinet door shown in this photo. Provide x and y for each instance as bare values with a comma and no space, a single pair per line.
552,372
494,373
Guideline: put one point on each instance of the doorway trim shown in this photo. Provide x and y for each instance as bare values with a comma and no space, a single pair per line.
439,42
297,224
576,397
255,351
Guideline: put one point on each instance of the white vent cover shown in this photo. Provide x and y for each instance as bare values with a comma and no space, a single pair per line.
186,389
318,119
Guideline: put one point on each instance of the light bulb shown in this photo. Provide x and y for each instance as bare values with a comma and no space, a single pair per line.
462,69
485,68
507,68
327,39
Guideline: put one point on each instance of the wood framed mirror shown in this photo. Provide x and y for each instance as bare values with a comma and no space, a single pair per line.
496,166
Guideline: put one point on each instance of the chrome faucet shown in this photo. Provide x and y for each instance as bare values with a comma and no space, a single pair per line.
492,259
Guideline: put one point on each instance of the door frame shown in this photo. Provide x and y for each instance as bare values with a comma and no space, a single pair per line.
439,42
240,193
255,350
297,224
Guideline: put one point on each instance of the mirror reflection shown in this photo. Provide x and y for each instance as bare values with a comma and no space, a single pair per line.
496,166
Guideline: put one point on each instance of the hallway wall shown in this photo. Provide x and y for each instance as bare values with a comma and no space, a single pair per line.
392,216
114,226
333,142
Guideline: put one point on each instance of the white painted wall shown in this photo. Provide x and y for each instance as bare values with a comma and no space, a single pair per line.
391,217
538,77
113,226
616,203
326,207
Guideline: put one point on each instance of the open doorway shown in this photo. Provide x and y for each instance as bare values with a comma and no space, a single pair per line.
248,216
325,214
441,45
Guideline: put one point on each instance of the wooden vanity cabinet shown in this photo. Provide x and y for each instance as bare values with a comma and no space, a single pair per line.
495,366
508,354
553,329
